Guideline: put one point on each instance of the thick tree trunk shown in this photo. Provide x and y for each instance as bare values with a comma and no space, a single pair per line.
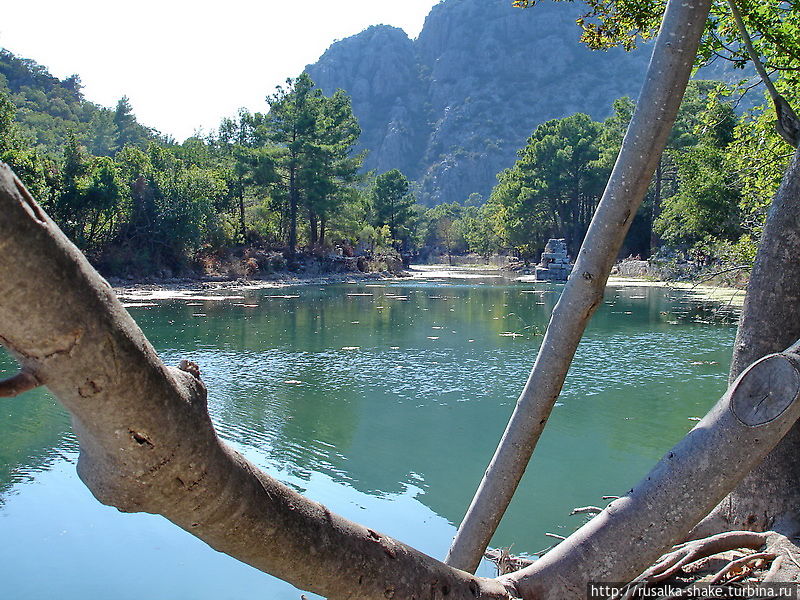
632,532
770,319
313,230
655,241
659,100
147,443
242,226
294,200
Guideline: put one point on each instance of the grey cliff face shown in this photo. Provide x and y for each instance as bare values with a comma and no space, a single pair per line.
451,108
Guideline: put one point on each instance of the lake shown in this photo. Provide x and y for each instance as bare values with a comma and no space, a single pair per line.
382,400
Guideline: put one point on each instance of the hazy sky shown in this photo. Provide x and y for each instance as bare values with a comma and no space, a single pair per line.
185,64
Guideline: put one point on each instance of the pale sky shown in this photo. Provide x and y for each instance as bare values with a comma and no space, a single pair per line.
185,65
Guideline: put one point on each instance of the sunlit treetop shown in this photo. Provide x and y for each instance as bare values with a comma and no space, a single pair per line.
774,27
610,23
764,33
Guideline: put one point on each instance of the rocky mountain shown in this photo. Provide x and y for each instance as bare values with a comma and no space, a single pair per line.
451,107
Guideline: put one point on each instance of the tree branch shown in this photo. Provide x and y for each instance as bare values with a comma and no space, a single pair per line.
632,532
17,384
788,125
667,75
147,443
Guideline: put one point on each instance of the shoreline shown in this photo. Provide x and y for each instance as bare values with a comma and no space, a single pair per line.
134,293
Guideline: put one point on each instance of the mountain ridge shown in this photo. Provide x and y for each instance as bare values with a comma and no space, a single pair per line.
451,107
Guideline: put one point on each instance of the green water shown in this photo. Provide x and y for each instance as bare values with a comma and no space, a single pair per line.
402,396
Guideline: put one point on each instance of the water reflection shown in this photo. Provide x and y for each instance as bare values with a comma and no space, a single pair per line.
34,433
385,401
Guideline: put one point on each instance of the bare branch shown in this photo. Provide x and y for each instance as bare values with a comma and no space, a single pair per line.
586,510
17,384
665,82
756,412
147,443
788,125
741,562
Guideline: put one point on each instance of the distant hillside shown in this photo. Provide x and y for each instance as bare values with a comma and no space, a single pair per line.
49,108
451,108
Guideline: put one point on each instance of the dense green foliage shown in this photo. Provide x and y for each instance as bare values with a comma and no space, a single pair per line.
137,203
290,179
393,205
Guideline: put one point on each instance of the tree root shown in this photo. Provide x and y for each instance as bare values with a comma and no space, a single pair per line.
689,552
505,561
741,563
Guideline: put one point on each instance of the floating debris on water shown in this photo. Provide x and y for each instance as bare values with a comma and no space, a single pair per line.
283,297
360,294
512,334
138,304
704,362
199,315
694,418
188,295
351,347
433,337
293,382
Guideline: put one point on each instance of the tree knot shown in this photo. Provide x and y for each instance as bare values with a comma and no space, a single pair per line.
190,367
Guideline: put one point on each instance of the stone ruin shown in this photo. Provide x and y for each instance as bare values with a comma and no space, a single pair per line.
555,265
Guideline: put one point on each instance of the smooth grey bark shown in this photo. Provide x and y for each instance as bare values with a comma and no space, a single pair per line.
667,75
771,318
147,443
632,532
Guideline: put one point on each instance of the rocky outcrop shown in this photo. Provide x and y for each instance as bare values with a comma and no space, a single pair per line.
451,108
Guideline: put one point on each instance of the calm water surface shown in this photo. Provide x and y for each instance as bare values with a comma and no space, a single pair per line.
383,401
